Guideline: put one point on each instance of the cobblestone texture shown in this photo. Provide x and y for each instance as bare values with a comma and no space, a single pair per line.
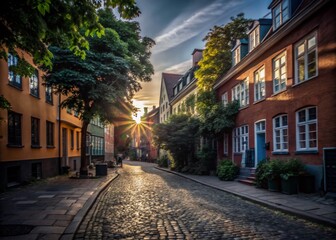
145,203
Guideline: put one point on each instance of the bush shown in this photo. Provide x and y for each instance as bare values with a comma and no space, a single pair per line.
274,168
291,167
163,161
227,170
261,174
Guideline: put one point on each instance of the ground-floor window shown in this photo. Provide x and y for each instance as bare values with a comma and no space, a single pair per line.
240,139
306,129
280,133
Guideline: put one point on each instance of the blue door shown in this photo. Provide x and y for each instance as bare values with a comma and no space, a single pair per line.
261,150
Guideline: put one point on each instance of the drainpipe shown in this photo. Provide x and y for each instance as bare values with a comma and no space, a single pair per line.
59,135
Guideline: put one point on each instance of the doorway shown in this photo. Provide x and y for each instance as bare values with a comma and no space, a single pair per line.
260,141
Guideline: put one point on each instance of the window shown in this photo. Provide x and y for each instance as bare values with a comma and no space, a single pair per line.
236,56
77,140
14,129
34,84
240,139
225,99
14,79
279,73
241,93
68,110
306,129
259,84
49,96
280,134
306,59
72,139
35,132
50,134
226,144
280,14
254,38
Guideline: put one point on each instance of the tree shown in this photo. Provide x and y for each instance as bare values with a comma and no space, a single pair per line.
34,25
104,83
216,59
178,136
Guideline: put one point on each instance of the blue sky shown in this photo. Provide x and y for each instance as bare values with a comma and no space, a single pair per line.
178,27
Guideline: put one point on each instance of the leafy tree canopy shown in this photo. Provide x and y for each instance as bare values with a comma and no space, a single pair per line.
216,59
178,136
104,82
34,25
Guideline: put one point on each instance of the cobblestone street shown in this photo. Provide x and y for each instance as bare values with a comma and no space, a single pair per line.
146,203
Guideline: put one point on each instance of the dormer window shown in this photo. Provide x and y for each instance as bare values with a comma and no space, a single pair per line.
236,56
280,14
254,38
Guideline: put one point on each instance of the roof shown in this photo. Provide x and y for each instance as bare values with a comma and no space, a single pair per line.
170,80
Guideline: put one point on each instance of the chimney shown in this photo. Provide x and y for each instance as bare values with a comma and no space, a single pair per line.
196,56
145,110
154,107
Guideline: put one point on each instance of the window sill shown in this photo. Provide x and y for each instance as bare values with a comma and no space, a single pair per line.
258,101
303,152
277,93
280,153
15,86
51,103
51,146
38,97
36,146
15,146
244,107
304,81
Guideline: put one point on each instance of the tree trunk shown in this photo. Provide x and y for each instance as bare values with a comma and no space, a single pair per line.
84,164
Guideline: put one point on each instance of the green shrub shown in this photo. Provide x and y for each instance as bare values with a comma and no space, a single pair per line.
261,174
227,170
274,168
163,161
291,167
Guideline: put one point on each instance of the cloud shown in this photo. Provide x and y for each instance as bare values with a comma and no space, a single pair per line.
192,26
180,68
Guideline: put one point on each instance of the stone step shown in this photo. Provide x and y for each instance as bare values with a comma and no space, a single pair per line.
247,181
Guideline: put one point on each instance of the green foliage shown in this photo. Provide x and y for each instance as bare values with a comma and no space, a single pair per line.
216,59
261,174
274,168
227,170
190,104
215,118
163,161
178,136
4,104
292,167
32,26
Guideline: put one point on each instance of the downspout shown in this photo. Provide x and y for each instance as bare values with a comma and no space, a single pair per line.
59,135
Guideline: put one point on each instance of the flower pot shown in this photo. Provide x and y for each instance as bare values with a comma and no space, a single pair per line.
290,185
274,185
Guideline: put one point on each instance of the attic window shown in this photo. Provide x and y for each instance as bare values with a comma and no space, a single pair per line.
236,56
254,38
280,14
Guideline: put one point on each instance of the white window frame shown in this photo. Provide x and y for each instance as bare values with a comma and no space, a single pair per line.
307,132
236,55
280,73
225,99
283,14
282,129
259,84
306,52
240,139
254,38
34,84
13,78
240,92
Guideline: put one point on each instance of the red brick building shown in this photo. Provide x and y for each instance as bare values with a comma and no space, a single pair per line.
284,76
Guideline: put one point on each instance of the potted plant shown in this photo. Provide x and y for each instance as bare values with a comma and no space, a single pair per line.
227,170
290,176
261,174
306,182
273,170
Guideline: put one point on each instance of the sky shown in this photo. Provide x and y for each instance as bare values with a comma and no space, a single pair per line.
178,27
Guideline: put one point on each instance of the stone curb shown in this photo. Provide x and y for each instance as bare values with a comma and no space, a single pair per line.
284,209
71,229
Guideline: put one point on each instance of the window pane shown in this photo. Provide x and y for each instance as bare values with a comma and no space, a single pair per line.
311,113
311,42
284,121
311,64
302,116
300,49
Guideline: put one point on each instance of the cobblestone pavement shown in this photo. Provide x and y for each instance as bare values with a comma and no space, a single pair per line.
145,203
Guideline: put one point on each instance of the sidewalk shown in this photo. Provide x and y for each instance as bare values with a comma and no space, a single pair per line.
308,206
50,209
